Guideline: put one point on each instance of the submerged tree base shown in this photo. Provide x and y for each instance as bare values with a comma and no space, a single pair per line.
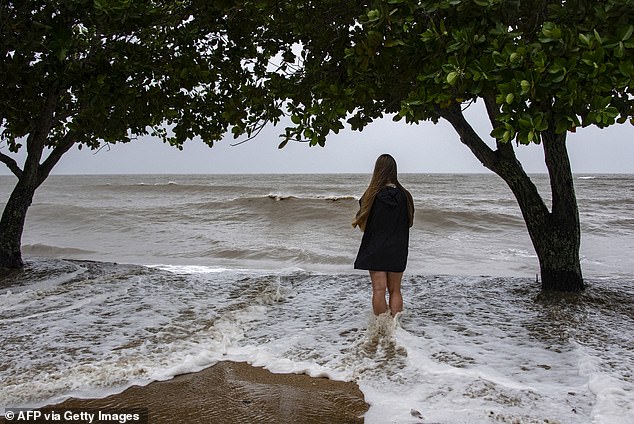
10,261
562,281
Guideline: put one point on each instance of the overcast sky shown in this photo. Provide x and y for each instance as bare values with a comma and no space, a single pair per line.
423,148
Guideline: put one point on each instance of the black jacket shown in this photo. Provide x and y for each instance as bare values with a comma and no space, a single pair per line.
385,241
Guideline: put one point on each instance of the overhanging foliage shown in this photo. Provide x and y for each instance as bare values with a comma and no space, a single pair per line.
544,65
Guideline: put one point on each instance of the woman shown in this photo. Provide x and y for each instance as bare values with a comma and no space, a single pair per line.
385,215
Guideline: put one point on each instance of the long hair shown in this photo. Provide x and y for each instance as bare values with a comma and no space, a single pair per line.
385,172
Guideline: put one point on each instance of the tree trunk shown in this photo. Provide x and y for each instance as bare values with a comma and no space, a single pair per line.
559,258
12,225
555,234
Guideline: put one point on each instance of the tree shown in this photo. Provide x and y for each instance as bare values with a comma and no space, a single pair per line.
541,68
89,72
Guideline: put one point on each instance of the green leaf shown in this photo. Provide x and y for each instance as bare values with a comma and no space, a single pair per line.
627,69
394,43
541,124
584,39
309,133
498,133
443,28
499,59
373,15
452,77
559,78
551,32
626,33
619,51
562,126
283,143
525,123
295,119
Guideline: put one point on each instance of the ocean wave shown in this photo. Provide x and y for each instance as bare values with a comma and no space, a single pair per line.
331,197
221,191
39,249
278,197
480,221
168,187
143,184
282,208
607,227
266,253
289,203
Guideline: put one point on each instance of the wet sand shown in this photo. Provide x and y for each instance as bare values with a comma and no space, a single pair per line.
234,392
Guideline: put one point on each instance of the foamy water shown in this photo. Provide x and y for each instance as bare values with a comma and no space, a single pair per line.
258,269
465,350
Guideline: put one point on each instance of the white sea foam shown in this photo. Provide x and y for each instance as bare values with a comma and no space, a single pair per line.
190,269
614,398
465,349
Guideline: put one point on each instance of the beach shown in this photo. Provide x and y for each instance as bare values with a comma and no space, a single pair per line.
158,290
235,393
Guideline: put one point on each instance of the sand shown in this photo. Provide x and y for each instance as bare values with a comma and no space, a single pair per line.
235,392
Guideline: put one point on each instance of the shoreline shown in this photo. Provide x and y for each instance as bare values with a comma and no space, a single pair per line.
235,392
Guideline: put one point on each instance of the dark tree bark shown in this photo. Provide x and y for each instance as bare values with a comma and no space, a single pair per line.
12,225
29,179
559,258
555,234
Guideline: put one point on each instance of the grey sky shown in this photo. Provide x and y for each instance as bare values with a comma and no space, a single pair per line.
424,148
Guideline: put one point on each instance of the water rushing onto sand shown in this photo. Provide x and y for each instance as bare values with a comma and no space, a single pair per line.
467,349
258,269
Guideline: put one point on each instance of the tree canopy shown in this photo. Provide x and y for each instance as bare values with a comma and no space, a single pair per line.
84,72
116,69
538,65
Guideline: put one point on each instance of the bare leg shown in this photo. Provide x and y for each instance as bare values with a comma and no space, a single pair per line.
394,288
379,285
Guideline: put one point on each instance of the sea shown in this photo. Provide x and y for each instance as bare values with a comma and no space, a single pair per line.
137,278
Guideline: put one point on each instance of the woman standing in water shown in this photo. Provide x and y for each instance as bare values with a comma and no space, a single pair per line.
385,215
